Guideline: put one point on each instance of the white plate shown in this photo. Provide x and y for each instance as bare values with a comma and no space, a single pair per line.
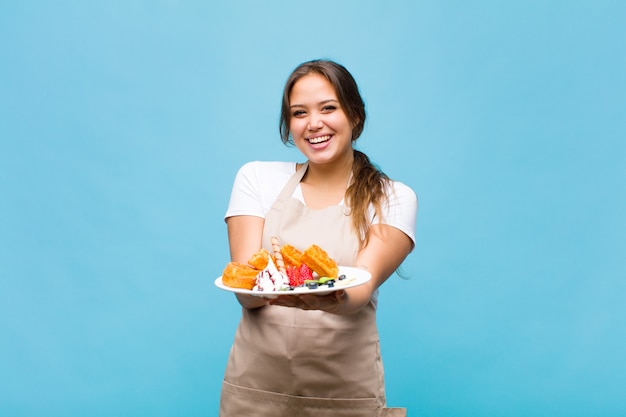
354,278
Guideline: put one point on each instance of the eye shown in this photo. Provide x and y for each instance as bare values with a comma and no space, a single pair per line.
329,108
298,113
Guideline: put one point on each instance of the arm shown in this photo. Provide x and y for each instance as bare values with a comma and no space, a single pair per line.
386,250
245,235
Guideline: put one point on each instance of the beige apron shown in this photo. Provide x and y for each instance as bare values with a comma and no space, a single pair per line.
296,363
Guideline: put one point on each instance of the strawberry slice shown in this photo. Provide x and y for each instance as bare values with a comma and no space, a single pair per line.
294,276
305,273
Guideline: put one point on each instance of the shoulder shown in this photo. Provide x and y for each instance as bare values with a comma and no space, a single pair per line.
264,169
257,185
401,208
399,190
266,178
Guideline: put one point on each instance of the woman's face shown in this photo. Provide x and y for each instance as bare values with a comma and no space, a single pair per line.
319,126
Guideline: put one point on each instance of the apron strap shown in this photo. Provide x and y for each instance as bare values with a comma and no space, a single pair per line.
291,185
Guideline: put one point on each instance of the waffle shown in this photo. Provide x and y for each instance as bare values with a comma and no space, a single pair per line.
238,275
291,256
259,259
319,261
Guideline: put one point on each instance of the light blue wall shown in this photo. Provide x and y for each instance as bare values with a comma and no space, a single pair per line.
122,124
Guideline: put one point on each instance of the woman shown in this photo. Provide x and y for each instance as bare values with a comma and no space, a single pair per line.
316,355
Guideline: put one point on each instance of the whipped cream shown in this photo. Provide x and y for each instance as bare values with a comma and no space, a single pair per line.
271,279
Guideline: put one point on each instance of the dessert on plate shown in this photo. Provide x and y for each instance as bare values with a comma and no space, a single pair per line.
286,269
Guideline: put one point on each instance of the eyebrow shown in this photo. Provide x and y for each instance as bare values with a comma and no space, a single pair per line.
331,100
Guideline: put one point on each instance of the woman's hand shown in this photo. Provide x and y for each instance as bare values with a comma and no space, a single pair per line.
331,303
342,302
251,301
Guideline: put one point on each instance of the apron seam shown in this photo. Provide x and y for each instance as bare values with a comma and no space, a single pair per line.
288,400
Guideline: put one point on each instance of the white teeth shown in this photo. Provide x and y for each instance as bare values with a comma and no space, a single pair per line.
319,139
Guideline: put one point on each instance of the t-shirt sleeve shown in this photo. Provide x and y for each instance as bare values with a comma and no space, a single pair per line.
245,197
401,211
256,187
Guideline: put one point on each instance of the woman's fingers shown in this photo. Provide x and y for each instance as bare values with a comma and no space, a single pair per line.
311,301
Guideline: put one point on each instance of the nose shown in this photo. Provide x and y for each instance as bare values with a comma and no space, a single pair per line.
315,121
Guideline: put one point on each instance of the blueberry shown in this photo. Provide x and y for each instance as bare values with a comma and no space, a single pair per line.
342,276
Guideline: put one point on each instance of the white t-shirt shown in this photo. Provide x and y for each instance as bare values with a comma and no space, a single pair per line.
258,184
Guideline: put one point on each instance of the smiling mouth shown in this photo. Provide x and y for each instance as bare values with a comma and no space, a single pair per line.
319,139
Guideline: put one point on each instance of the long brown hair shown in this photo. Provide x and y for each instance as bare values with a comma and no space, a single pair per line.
369,184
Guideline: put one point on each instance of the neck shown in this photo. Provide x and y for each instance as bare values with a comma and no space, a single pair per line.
335,174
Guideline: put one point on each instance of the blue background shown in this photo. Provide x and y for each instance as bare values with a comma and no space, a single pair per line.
122,124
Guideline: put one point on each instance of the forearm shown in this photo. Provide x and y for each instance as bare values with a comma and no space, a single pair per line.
244,237
386,250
